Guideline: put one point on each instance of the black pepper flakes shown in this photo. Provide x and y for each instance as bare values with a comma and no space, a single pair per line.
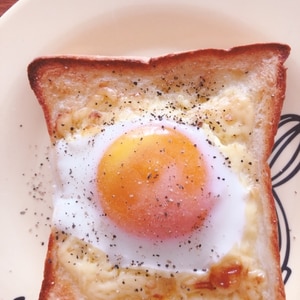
23,212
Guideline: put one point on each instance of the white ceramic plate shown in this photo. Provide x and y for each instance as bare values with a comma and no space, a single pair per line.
132,27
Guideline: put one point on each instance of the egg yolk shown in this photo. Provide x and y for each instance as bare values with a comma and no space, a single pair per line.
152,182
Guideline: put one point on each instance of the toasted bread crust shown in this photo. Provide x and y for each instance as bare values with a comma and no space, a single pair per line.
56,284
168,75
216,59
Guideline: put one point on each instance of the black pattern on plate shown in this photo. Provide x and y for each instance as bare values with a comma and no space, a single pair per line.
287,146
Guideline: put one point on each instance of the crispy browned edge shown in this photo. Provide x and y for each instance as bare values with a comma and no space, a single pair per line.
55,283
39,65
43,64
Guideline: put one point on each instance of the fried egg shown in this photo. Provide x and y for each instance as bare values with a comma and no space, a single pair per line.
151,194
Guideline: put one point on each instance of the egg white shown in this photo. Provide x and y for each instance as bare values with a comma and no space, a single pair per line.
77,209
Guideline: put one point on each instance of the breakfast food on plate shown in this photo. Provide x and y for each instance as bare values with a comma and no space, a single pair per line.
162,187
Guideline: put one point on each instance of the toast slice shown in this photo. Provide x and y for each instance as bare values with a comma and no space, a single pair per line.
235,96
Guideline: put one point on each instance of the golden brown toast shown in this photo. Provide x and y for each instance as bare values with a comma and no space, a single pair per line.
235,96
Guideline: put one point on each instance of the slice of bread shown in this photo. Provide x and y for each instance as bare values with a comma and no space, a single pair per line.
235,96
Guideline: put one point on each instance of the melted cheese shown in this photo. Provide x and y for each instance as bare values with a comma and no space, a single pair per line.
233,120
97,279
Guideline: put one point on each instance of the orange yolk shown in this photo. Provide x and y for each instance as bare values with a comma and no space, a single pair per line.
152,183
